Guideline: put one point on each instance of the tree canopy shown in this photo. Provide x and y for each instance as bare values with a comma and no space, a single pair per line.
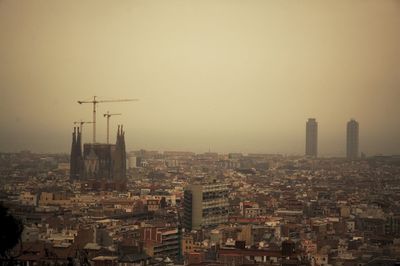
10,231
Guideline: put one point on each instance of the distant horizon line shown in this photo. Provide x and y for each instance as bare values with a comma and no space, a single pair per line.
327,156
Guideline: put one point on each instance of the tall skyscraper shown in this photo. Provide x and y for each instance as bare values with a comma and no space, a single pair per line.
352,139
311,137
205,205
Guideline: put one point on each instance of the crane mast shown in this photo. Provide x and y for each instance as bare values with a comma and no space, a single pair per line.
108,115
95,102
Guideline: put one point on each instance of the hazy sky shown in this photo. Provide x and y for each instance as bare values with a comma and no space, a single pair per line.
232,76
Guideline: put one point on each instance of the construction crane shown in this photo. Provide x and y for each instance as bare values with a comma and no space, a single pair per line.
81,123
108,115
94,102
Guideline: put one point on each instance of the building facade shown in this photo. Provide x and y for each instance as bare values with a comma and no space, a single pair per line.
99,160
205,205
352,140
161,242
312,137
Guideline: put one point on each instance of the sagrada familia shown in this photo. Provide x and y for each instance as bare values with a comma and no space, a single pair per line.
98,161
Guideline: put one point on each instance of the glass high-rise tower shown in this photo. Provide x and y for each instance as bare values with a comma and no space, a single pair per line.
312,137
352,140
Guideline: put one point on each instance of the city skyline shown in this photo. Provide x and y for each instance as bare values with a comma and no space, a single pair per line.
311,143
200,133
224,76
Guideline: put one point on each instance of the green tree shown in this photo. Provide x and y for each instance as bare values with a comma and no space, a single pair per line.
10,231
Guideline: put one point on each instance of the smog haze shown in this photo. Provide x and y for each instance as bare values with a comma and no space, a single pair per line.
225,76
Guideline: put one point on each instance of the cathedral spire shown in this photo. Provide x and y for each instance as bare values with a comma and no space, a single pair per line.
117,140
73,160
74,137
79,143
120,153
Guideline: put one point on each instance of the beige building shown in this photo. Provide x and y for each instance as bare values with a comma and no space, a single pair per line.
205,205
